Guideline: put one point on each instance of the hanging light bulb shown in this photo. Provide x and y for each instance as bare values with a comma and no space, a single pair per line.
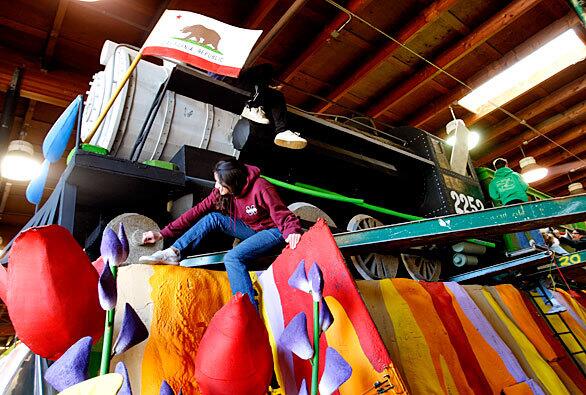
19,163
531,171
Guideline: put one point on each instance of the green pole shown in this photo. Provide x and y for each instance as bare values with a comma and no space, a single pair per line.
108,334
315,361
312,192
326,194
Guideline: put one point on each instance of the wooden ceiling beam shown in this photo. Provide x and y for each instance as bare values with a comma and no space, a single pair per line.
562,188
561,165
564,138
54,34
554,159
102,10
57,87
565,159
322,37
23,28
512,57
494,25
430,14
536,108
560,182
261,11
544,127
165,4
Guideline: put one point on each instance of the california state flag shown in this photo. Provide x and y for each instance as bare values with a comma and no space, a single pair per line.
201,41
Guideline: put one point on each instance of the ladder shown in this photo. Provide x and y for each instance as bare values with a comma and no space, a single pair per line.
559,326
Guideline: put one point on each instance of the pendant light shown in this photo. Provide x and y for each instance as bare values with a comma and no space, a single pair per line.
19,163
530,170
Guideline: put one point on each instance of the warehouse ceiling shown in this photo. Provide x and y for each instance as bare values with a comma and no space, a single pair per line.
329,63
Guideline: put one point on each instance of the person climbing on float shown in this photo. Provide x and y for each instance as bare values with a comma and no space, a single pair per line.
241,205
267,98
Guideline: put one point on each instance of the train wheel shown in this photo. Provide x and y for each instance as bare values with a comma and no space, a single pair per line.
372,266
422,268
310,213
135,225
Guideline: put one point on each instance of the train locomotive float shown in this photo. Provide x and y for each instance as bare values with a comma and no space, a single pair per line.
351,173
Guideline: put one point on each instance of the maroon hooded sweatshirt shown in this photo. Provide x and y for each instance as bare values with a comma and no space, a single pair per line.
258,206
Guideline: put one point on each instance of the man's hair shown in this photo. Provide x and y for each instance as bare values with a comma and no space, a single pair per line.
499,162
581,232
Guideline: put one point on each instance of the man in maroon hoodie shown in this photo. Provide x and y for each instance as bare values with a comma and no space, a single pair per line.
242,205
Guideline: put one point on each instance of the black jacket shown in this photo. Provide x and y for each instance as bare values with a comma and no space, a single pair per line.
576,244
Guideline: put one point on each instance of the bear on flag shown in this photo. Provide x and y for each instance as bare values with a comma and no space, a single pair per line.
201,41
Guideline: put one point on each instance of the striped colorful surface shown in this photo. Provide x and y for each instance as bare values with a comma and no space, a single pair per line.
427,338
448,338
353,333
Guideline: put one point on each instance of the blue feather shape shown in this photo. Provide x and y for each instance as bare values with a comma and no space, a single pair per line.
56,140
34,190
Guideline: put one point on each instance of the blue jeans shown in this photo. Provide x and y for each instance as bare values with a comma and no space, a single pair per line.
253,244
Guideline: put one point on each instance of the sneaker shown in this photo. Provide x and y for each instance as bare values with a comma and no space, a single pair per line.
289,139
255,114
168,257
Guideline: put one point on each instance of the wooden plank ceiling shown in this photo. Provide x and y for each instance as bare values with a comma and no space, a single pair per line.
322,52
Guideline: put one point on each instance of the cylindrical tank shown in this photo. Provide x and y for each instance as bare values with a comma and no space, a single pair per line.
460,260
179,120
469,248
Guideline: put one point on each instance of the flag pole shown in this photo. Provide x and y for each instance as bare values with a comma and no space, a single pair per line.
113,98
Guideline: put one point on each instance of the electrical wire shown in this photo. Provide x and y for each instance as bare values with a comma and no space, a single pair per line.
440,69
148,122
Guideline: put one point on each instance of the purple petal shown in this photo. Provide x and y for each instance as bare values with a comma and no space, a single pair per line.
107,292
295,339
298,279
336,372
166,389
303,388
316,282
132,332
72,367
125,389
123,242
325,316
111,248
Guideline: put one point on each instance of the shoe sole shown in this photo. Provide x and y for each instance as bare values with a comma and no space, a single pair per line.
291,144
261,121
157,262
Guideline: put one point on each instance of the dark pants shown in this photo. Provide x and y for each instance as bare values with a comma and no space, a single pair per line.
274,105
257,79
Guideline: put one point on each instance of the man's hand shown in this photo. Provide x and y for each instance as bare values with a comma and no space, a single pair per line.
293,239
151,237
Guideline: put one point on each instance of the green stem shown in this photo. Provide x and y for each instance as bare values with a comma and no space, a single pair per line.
108,333
315,361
